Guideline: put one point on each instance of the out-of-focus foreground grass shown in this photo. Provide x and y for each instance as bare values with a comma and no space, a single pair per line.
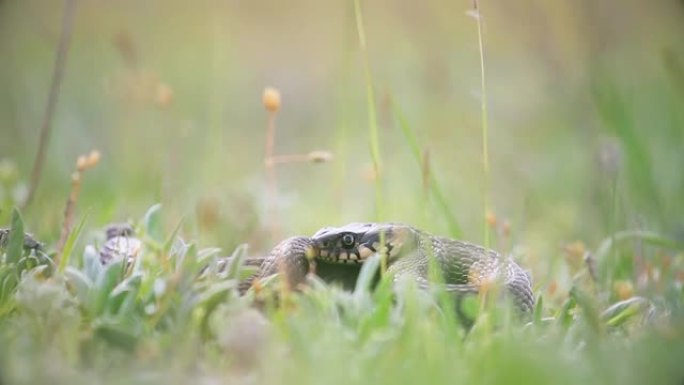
586,130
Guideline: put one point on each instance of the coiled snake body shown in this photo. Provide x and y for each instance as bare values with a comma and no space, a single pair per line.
339,252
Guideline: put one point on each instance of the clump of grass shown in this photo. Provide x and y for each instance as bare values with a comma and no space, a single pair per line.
131,323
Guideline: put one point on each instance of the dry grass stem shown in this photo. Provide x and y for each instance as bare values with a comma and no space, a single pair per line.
271,101
55,85
425,174
311,157
83,163
485,125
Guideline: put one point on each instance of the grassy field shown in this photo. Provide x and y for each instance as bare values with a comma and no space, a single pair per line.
552,131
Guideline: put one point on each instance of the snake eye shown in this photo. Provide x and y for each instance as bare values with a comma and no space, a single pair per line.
348,241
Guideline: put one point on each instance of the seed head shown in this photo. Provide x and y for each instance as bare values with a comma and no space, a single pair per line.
271,99
506,228
163,95
81,163
490,217
319,156
623,289
84,162
94,158
574,254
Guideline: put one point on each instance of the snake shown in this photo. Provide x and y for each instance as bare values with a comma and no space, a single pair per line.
338,253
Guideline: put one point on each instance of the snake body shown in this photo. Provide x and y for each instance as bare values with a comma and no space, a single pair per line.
339,252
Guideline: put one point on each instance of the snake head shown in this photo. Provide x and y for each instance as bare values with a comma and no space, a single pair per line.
355,242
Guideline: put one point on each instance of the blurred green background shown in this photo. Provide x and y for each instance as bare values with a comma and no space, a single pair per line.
585,105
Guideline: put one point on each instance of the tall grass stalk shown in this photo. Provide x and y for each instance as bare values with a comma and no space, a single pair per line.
65,242
53,94
271,101
435,188
425,173
372,116
485,123
372,124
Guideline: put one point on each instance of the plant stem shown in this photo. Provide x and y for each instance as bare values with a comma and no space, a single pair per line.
272,177
372,126
57,76
372,118
485,123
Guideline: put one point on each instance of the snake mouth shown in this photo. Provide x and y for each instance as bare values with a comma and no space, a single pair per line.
330,252
354,243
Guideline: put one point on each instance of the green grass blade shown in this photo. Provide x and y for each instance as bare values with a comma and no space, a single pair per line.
589,308
236,261
621,312
168,245
15,245
367,274
649,237
71,242
372,115
618,118
539,310
435,189
565,316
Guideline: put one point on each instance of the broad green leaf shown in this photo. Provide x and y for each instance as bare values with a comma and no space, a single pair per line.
92,266
152,223
210,299
80,283
104,285
129,287
235,261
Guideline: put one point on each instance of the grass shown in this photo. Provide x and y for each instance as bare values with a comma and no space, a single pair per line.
477,15
587,198
161,322
372,115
